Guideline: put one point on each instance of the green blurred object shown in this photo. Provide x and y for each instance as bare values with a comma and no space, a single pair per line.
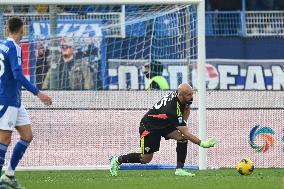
161,82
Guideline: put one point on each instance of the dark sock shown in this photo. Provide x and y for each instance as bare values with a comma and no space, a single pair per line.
181,154
130,158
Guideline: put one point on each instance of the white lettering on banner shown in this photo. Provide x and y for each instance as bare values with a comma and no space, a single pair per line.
38,27
65,28
225,77
255,78
227,74
268,73
173,72
124,81
112,73
278,78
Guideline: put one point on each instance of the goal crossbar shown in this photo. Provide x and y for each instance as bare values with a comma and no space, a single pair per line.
98,2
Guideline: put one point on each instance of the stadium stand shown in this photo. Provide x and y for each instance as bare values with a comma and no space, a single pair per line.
223,18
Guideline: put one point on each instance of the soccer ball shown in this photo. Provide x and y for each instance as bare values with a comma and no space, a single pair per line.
245,167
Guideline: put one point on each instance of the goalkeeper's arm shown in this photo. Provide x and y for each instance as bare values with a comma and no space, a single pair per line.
204,144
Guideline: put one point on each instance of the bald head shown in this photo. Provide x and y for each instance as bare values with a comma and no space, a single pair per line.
184,87
185,93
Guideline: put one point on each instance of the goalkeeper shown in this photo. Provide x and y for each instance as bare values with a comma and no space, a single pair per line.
165,119
153,72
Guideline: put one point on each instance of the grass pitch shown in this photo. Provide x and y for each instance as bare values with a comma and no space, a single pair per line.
152,179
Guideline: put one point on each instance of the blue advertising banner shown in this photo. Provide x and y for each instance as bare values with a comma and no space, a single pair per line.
222,74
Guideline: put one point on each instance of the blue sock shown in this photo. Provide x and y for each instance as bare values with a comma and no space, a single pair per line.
17,155
3,150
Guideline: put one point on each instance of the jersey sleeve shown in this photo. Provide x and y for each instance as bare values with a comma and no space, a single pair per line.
16,62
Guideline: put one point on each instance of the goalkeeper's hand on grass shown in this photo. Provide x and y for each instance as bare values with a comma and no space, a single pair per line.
208,143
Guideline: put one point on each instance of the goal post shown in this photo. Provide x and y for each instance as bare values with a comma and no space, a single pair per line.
201,60
160,52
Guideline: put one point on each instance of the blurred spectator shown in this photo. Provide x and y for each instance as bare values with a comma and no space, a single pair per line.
94,56
71,72
42,62
20,9
154,72
42,9
269,29
81,74
24,8
7,8
254,30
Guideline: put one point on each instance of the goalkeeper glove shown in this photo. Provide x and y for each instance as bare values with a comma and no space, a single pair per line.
208,143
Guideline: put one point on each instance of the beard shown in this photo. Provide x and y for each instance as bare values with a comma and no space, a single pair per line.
189,102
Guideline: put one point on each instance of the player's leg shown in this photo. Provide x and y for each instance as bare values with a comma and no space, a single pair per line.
24,129
5,140
181,150
18,152
149,143
8,116
116,161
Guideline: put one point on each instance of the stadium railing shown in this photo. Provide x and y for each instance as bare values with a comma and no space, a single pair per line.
224,23
257,23
264,23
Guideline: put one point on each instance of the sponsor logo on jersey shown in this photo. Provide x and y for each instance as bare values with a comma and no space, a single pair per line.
10,123
147,149
178,110
180,120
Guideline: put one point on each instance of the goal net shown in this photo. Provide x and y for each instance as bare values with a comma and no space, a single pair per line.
75,51
88,47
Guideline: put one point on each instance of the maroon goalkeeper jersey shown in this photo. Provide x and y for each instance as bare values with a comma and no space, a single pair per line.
166,113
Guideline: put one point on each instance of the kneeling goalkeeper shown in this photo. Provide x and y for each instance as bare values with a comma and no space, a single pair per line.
167,119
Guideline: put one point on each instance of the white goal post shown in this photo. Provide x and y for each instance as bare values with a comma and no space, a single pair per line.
201,57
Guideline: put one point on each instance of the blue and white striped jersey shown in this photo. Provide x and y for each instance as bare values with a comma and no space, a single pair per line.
11,76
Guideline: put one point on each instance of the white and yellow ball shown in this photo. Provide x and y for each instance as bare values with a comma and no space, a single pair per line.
245,167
